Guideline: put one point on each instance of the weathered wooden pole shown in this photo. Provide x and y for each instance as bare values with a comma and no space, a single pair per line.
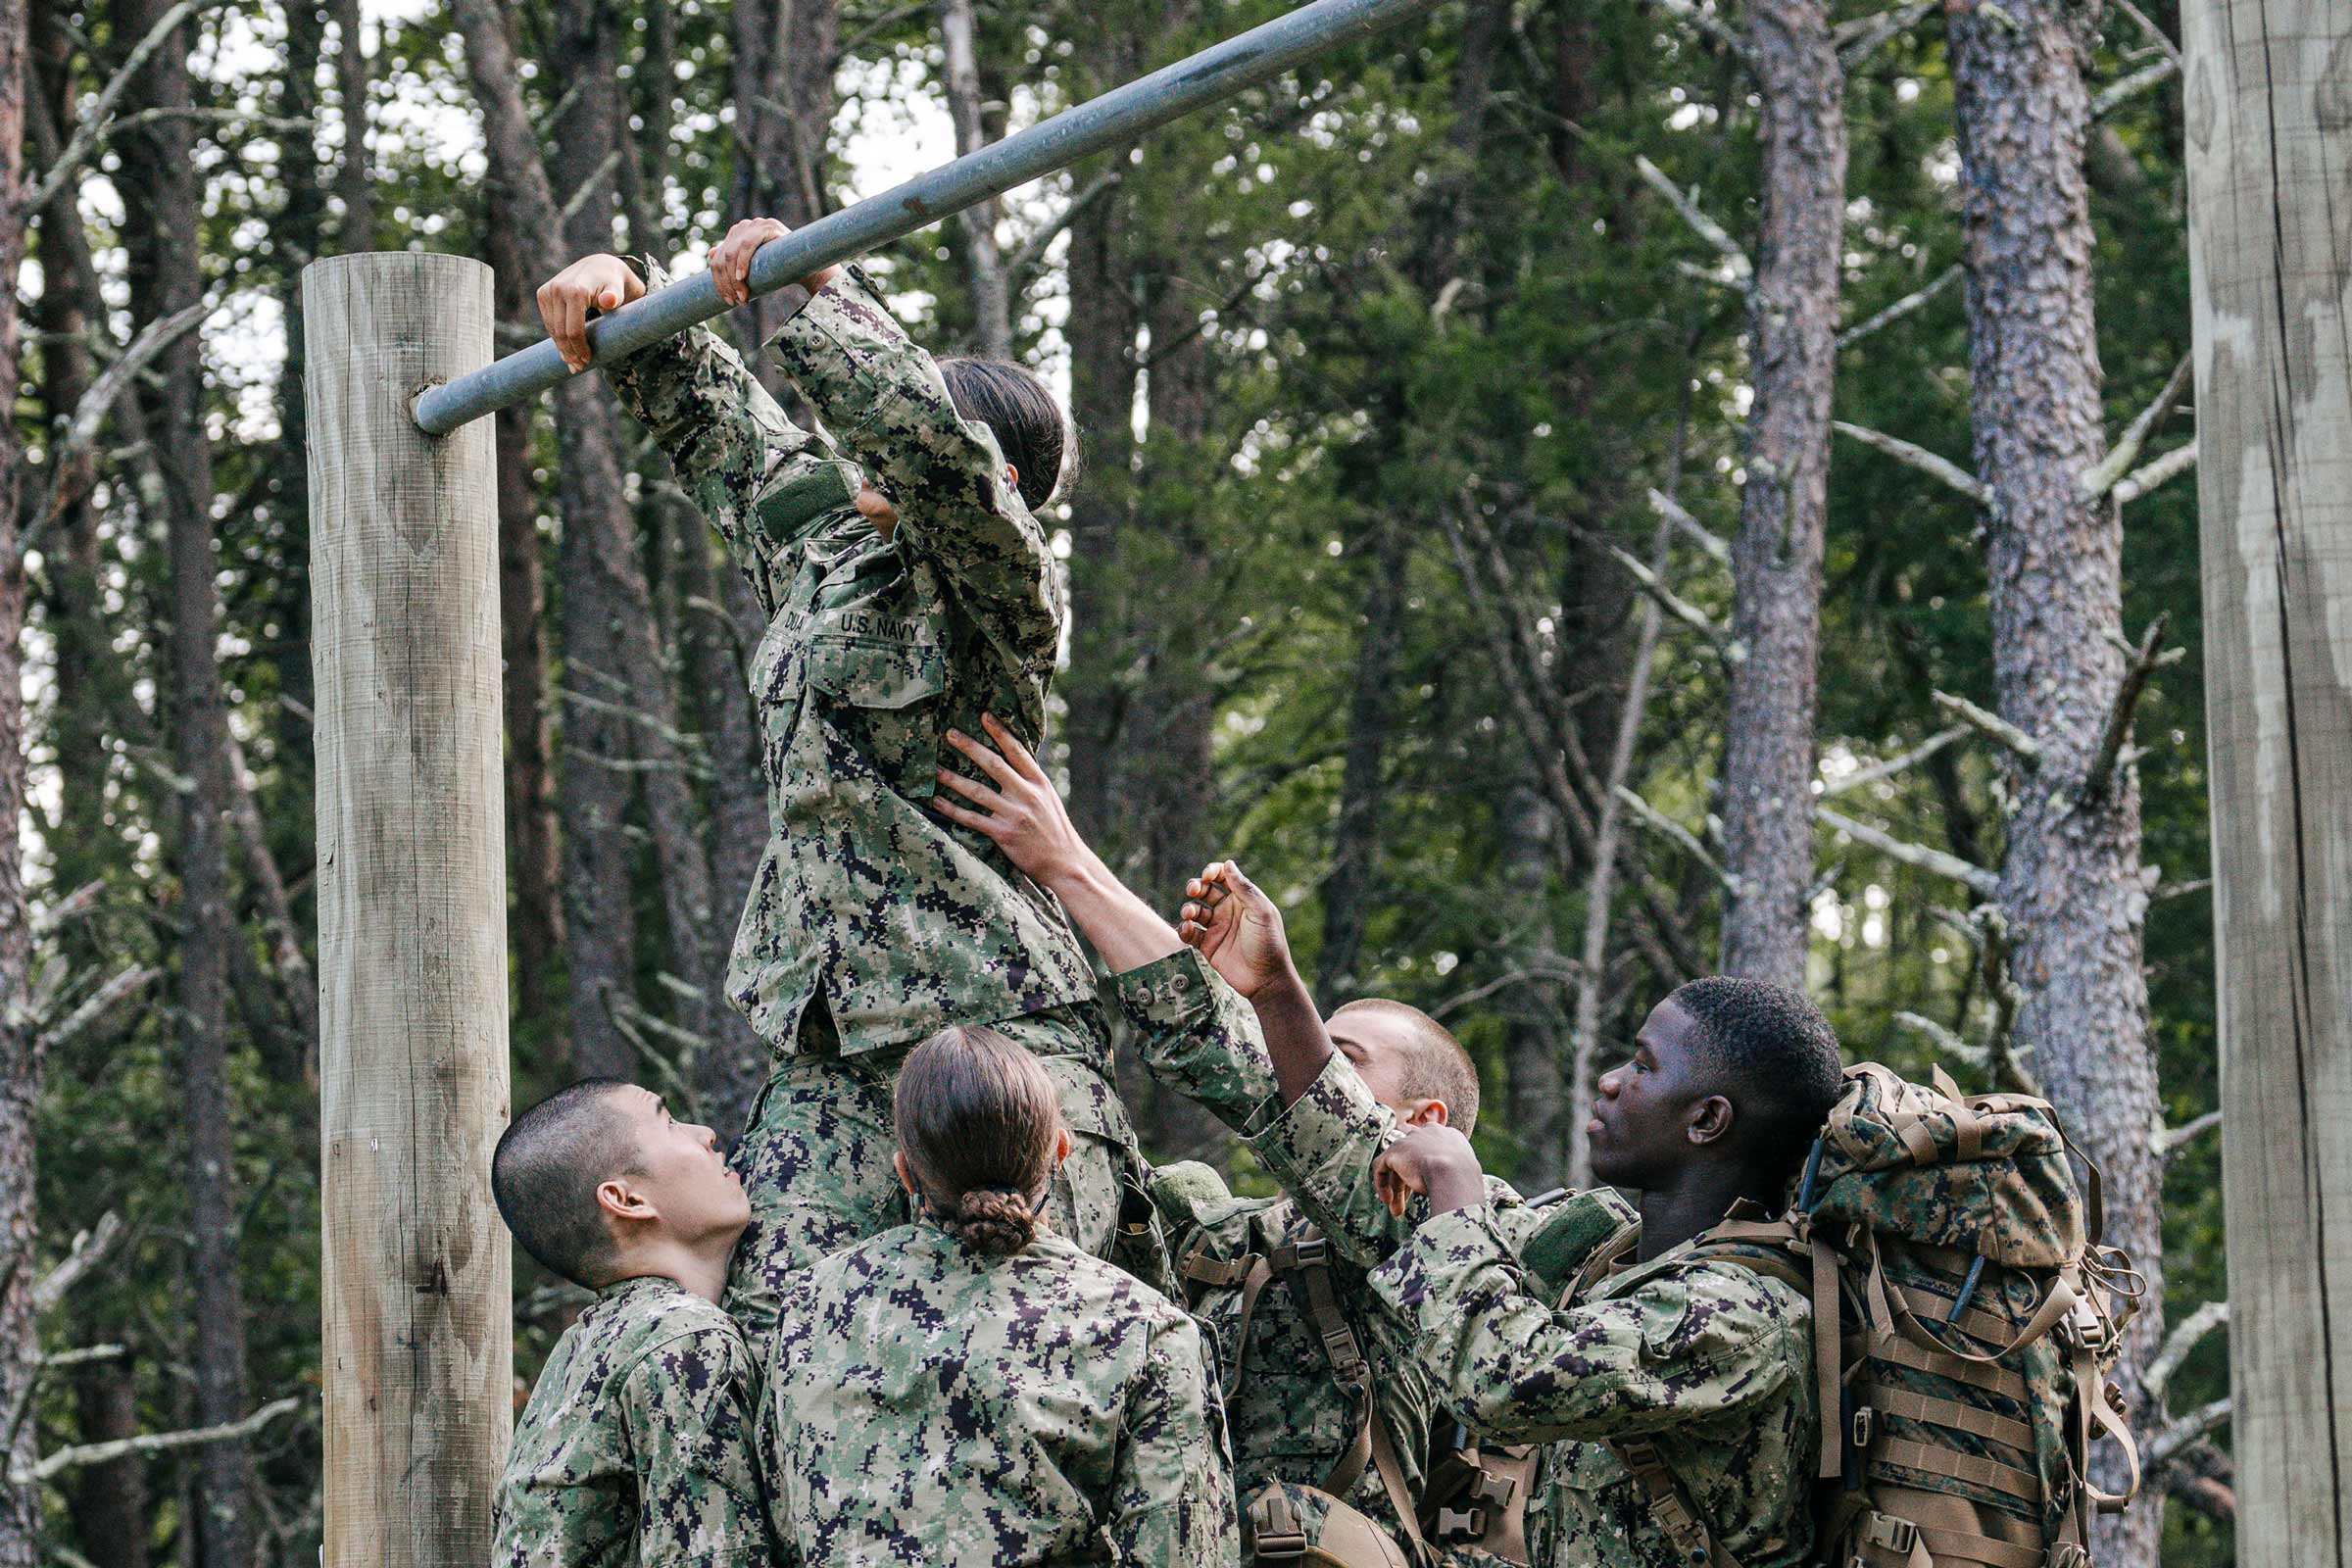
411,914
2270,130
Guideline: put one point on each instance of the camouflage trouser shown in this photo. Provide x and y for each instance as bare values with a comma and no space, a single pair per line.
815,1157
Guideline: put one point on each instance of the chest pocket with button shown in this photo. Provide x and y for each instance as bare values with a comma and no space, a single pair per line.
881,694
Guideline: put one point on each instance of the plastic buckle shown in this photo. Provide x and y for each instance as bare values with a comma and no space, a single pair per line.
1461,1524
1274,1548
1897,1536
1494,1489
1314,1249
1865,1416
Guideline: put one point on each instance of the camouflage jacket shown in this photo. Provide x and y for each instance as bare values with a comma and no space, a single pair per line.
1291,1419
1708,1360
874,648
927,1405
636,1444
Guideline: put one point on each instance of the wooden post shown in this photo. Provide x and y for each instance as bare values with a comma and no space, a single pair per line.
411,914
2269,130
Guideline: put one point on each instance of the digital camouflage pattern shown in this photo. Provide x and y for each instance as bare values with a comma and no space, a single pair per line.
817,1158
871,923
636,1446
929,1405
1289,1417
1707,1360
898,921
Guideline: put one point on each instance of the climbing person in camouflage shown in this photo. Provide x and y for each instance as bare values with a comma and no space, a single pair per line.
1302,1342
636,1444
909,587
971,1388
1678,1386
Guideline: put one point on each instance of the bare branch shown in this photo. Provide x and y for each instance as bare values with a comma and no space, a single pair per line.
1992,725
2177,462
1920,457
1901,308
2146,660
1858,41
2131,86
1707,228
2181,890
101,108
83,1355
2097,482
1681,609
73,906
2170,1141
1658,822
1993,951
1563,973
89,1249
587,189
1714,544
89,414
1033,250
2185,1338
1863,777
87,1453
1935,862
1708,23
2168,1445
1945,1039
98,1004
2156,35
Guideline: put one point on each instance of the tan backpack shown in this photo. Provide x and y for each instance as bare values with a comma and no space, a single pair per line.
1965,1316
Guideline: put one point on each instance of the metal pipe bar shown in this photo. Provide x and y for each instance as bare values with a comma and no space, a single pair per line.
1117,117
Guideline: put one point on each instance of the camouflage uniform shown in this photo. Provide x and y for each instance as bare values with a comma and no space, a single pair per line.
1291,1419
1708,1361
873,923
636,1446
929,1405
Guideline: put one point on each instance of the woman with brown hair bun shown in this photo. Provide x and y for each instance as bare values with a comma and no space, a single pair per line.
973,1388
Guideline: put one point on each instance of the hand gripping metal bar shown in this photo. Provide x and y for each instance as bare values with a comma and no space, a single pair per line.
1116,118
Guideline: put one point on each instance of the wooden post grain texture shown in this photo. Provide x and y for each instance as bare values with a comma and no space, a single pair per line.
2269,130
411,914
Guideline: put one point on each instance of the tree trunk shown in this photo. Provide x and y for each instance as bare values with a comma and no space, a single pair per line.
107,1502
20,1051
1776,619
785,55
536,893
2270,178
992,307
2071,887
1535,1050
355,181
162,202
300,233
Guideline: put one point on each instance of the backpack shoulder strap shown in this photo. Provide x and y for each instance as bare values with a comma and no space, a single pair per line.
1686,1529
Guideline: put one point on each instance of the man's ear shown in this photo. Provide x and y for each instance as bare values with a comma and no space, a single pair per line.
1061,1146
620,1200
1012,477
1426,1114
1711,1120
898,1162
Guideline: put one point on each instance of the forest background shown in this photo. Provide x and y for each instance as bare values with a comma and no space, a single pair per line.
1488,431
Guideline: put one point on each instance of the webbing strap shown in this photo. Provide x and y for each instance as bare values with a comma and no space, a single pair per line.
2090,1397
2005,1478
1214,1273
1945,1544
1992,1377
1400,1497
1952,1413
2058,1300
1956,1528
1973,1321
1672,1511
1253,1285
1828,1353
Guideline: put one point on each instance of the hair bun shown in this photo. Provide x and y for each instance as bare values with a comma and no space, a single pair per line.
994,1220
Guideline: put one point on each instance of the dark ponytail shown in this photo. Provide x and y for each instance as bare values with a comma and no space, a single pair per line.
1028,423
977,1122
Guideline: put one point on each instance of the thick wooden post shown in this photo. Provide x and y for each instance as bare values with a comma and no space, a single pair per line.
411,914
2269,126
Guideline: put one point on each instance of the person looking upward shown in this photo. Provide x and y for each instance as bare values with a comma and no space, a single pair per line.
909,587
636,1443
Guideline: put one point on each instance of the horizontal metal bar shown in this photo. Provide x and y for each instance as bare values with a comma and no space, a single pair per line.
1117,117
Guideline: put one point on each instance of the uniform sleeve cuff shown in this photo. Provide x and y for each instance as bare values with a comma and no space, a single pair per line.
814,318
1164,993
1335,1116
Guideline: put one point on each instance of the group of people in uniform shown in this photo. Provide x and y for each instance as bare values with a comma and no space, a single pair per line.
936,1306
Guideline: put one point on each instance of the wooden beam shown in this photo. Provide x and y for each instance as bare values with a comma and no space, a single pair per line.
418,1356
2270,167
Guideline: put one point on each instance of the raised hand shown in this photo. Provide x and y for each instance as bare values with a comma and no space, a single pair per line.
591,283
1232,923
731,260
1431,1159
1023,815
